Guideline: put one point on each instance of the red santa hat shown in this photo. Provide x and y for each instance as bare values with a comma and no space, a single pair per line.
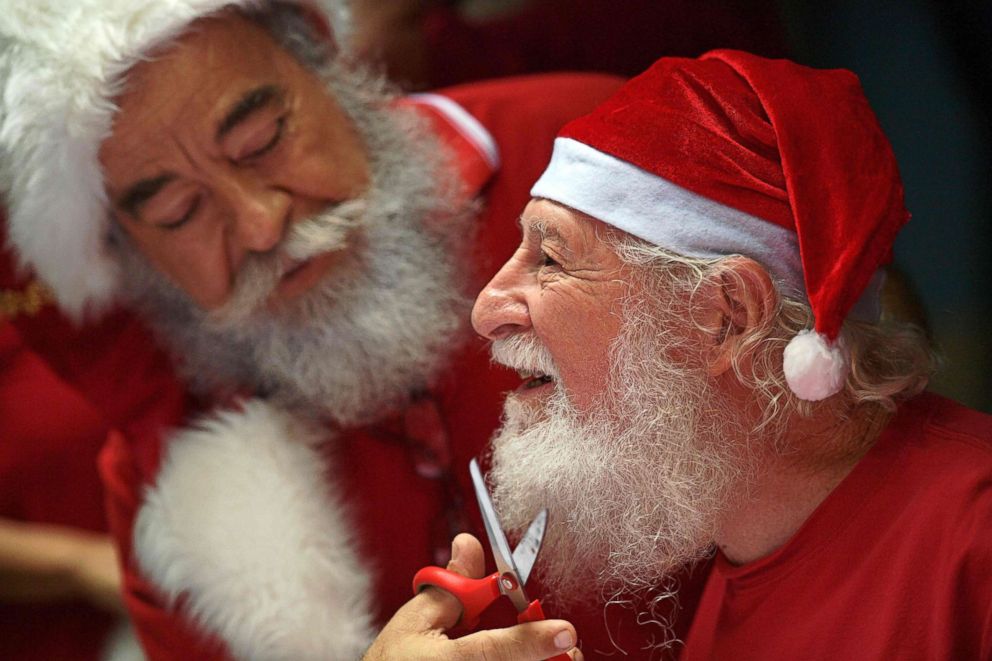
62,62
731,153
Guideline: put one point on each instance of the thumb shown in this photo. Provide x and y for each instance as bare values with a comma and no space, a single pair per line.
467,557
437,608
531,641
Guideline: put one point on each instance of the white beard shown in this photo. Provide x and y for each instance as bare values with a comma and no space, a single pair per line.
634,489
382,323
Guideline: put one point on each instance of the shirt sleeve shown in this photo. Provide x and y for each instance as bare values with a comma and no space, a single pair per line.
165,631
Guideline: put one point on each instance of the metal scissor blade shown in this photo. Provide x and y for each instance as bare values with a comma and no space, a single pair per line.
530,545
497,541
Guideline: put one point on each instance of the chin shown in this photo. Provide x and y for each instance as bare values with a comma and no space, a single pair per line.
634,484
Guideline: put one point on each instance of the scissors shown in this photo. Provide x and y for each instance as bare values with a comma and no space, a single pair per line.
512,568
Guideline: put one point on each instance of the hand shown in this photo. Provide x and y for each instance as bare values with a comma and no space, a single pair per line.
41,562
416,632
98,575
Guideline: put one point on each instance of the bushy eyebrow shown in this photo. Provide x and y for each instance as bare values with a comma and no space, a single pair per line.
546,231
248,104
135,196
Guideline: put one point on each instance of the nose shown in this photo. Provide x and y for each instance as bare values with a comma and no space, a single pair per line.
501,308
261,213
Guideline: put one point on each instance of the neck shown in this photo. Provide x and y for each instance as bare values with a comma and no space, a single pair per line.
814,455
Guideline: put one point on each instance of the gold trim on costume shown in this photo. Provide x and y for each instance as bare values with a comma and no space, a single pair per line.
28,301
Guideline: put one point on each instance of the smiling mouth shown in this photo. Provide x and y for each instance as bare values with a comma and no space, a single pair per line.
532,380
294,269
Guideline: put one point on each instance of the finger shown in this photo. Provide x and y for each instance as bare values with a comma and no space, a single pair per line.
435,608
432,609
576,654
467,557
532,641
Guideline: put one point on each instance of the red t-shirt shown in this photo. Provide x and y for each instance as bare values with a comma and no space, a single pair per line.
397,511
895,564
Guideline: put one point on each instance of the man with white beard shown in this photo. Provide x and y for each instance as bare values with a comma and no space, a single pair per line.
694,307
307,243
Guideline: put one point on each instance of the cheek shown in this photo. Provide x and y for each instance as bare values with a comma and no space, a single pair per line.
329,160
579,337
324,171
195,263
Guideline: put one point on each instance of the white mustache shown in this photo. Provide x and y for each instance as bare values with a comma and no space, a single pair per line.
324,232
260,273
524,352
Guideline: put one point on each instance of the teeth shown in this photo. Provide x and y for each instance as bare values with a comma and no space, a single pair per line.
526,374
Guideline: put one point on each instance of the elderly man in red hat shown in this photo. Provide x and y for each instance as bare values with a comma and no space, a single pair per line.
708,375
307,243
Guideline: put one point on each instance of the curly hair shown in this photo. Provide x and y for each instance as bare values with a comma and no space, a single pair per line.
891,360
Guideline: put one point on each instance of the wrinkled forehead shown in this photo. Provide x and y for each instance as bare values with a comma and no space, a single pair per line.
548,219
207,63
173,102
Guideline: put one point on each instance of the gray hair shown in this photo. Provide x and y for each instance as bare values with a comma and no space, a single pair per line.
891,360
296,33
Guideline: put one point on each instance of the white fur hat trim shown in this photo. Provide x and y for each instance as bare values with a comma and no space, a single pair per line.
654,209
815,369
62,63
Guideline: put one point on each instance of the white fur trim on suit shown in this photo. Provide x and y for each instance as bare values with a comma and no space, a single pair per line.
61,64
243,522
122,644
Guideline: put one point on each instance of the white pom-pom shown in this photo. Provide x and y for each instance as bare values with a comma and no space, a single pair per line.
814,370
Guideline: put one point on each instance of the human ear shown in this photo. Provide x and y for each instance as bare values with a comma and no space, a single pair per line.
736,298
319,25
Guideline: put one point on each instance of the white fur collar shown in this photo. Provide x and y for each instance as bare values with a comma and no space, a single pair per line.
244,523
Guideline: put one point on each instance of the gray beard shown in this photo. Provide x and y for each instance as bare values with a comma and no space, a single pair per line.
380,326
635,489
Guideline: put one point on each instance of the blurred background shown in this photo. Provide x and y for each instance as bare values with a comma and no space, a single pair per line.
926,66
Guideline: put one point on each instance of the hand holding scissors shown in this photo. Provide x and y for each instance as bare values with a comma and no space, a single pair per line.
513,568
417,631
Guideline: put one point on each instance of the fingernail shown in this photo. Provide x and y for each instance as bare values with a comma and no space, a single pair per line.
564,640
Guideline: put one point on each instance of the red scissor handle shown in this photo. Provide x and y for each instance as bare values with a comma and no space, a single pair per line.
475,594
534,613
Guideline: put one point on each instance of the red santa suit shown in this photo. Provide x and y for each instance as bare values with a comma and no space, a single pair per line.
328,535
63,390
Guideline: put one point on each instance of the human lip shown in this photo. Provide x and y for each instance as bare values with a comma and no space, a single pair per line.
301,276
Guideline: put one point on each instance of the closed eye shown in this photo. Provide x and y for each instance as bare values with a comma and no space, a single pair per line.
186,217
269,142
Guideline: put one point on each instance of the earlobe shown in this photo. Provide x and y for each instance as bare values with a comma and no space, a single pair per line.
742,299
